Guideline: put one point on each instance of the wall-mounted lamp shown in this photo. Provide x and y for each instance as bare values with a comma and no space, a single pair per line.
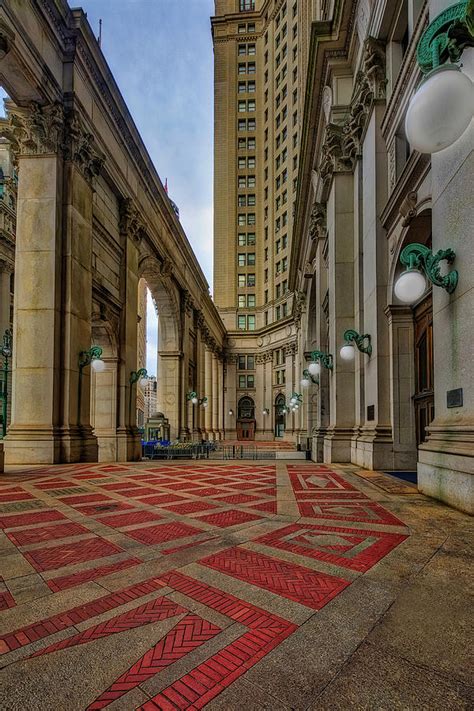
265,411
93,358
139,376
203,401
307,379
362,341
319,358
411,284
443,106
295,401
231,412
193,396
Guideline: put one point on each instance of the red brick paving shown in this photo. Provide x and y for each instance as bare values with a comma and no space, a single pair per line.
319,492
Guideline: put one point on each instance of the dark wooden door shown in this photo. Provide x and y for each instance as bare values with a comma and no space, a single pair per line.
246,430
424,383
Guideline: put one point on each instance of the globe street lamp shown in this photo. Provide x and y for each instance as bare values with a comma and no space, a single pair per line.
319,358
6,351
420,262
139,376
193,397
443,106
347,351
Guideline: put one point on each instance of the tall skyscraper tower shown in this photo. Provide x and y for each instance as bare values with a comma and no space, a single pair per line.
257,102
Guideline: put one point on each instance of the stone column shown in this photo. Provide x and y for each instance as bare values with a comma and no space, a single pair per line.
128,441
230,402
169,370
215,396
260,396
340,226
104,410
208,382
402,386
446,459
201,382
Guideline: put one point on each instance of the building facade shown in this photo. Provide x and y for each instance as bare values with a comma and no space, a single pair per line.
258,52
364,194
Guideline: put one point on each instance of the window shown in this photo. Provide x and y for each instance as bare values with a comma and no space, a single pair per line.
266,296
250,362
242,50
284,264
242,69
242,144
295,140
251,218
251,301
266,318
241,221
251,259
242,87
250,279
241,201
241,323
241,163
251,238
284,219
242,362
241,260
241,301
284,311
242,106
251,162
246,5
242,381
266,254
277,291
251,105
241,181
278,313
251,323
278,246
250,378
251,49
251,68
242,125
251,182
251,125
242,239
251,27
241,29
266,275
241,280
284,241
278,268
251,200
251,141
284,286
251,87
295,52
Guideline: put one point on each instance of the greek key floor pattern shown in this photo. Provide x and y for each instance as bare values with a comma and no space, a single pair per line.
157,587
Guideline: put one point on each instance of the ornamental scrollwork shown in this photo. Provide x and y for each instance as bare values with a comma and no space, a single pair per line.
317,224
36,129
130,223
79,147
335,157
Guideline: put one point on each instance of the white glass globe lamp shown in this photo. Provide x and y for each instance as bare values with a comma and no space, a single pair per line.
441,110
98,365
347,352
314,368
194,400
143,382
305,382
204,404
410,286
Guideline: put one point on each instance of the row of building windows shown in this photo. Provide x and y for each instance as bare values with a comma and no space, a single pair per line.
246,125
246,322
244,280
246,219
248,162
246,381
247,68
246,200
246,106
246,87
246,181
246,301
246,259
246,5
246,144
246,27
247,50
280,377
246,239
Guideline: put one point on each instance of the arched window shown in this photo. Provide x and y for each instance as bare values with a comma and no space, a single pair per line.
279,415
246,409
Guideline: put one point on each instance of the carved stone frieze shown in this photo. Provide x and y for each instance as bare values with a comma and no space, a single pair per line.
317,224
36,129
131,224
188,302
200,320
79,147
299,306
291,349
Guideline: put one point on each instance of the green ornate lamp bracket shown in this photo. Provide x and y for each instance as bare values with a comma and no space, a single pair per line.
202,400
191,395
309,376
418,256
447,36
86,357
137,375
362,341
325,359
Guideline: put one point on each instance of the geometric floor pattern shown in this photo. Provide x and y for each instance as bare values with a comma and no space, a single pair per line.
183,576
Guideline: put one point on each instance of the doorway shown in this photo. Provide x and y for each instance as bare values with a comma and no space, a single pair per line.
246,419
423,398
279,416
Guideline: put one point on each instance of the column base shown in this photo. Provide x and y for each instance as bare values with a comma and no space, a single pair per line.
129,448
337,445
317,445
446,466
28,445
373,448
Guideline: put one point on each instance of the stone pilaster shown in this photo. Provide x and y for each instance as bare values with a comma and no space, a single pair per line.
209,392
215,396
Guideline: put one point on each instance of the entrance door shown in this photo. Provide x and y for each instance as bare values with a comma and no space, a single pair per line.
246,430
424,392
279,416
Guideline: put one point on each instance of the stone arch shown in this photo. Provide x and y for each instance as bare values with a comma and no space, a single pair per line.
166,298
104,390
417,229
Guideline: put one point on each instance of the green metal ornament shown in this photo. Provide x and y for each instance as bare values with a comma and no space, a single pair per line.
362,341
325,359
418,256
447,36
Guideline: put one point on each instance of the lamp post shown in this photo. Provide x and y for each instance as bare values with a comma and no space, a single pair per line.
443,106
93,358
6,351
420,262
362,341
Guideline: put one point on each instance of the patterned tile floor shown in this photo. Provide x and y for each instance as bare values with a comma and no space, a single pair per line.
117,591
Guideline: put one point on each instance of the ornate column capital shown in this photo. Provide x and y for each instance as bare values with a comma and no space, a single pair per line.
6,266
317,224
80,147
36,129
188,302
335,159
130,224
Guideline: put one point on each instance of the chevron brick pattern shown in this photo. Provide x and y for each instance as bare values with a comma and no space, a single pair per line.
162,533
154,611
190,507
30,518
190,633
78,552
128,519
46,533
69,618
64,582
294,582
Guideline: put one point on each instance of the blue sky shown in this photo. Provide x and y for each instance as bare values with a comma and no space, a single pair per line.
160,52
